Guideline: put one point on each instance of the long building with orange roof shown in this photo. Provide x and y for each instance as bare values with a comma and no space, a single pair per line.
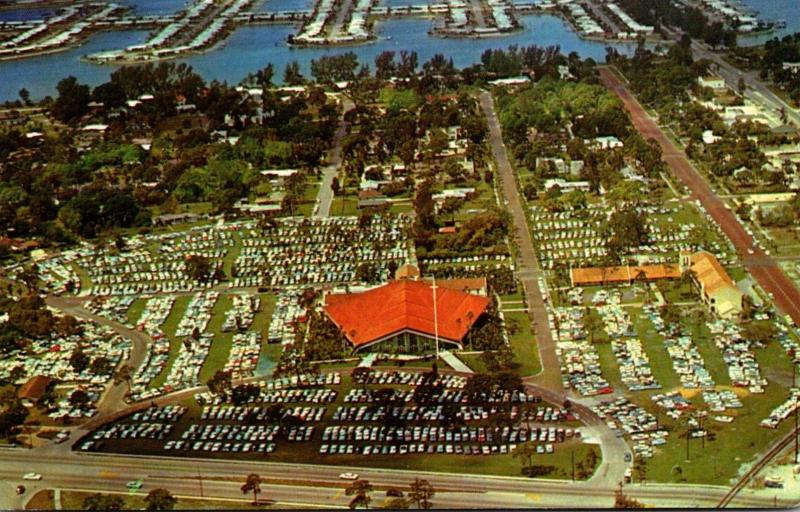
622,274
400,316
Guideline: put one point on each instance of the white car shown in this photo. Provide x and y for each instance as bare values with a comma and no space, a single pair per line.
32,476
348,476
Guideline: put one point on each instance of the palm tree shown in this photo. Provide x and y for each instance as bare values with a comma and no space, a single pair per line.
525,452
421,493
591,323
360,490
124,374
253,483
160,499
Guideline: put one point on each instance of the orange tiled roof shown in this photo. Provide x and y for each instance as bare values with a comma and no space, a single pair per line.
463,284
622,274
404,305
709,272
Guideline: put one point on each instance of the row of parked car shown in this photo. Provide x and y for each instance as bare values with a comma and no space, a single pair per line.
433,434
404,449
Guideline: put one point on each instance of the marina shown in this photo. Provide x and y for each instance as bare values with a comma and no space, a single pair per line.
203,24
261,32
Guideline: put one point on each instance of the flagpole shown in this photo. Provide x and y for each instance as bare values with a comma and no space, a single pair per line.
435,319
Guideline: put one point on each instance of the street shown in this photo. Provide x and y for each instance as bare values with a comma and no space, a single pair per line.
308,485
527,269
763,268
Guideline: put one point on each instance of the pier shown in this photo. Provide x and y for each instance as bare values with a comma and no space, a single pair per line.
329,22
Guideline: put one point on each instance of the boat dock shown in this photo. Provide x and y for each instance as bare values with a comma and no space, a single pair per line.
329,22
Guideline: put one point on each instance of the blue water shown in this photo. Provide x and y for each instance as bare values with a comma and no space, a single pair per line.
25,14
154,7
786,10
285,5
41,74
250,48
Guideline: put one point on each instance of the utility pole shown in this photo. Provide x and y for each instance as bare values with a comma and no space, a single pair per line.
200,480
796,440
572,456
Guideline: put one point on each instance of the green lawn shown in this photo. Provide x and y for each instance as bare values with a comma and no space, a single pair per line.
309,199
73,500
524,345
653,344
261,321
344,205
135,311
221,346
735,443
86,281
169,328
232,254
474,361
711,355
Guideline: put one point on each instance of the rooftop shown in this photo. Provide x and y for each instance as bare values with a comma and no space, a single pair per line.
404,305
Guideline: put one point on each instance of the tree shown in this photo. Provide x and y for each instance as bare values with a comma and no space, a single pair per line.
622,501
253,484
198,267
100,366
220,382
99,501
79,360
525,453
360,490
73,100
292,75
124,374
160,499
761,332
79,399
10,419
421,492
591,322
25,96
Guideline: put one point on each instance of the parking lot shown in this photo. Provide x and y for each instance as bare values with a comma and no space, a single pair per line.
333,417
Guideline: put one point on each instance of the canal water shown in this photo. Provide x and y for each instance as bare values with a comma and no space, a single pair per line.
773,10
250,48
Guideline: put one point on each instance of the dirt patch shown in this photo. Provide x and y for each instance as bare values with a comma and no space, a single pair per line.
42,500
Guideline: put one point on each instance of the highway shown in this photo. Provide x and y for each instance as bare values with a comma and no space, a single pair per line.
310,485
756,90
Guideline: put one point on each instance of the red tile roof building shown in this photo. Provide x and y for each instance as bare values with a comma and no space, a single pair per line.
625,274
402,312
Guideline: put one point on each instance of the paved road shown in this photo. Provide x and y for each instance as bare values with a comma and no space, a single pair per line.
320,485
756,90
113,398
762,267
325,195
528,270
